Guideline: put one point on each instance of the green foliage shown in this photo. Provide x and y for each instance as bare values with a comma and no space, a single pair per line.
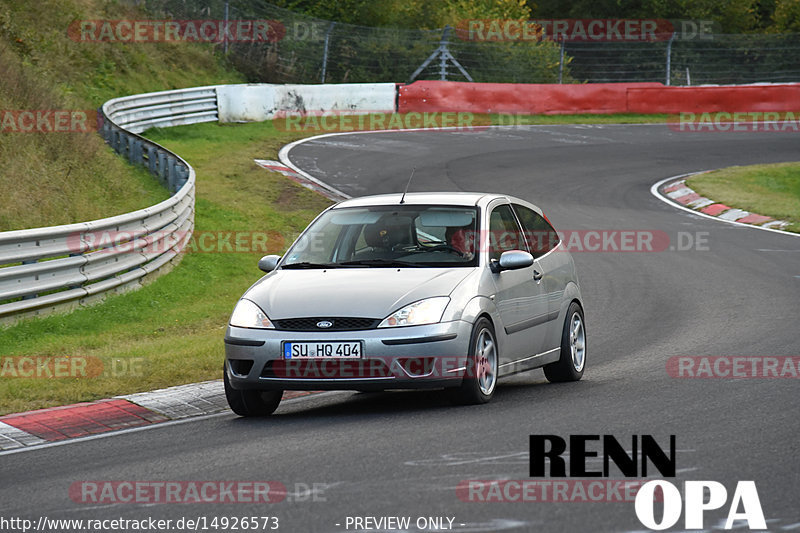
786,17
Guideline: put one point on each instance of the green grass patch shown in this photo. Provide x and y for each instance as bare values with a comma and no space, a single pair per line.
772,190
170,331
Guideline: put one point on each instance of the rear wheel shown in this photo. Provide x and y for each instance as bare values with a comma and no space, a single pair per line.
480,378
251,402
570,365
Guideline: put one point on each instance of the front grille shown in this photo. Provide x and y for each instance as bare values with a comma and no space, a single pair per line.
339,324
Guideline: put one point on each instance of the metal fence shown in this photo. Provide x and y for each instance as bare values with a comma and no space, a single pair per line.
63,267
312,50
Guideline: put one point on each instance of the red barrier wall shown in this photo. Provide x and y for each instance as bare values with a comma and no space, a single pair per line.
438,96
725,98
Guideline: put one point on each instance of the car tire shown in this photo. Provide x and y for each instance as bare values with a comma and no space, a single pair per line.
480,377
572,362
251,402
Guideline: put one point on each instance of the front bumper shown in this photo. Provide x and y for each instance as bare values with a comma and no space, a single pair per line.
432,356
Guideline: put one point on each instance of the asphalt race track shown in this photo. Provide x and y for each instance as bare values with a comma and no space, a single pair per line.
404,453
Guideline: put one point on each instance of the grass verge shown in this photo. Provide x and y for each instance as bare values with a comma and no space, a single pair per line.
170,332
772,190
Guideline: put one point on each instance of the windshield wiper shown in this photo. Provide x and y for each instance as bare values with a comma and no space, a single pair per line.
306,264
381,263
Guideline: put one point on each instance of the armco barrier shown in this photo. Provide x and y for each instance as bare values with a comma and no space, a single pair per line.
62,267
439,96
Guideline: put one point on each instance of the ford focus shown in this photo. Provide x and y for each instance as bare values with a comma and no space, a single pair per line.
421,290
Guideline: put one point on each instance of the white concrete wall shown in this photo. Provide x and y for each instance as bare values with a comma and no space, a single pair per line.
259,102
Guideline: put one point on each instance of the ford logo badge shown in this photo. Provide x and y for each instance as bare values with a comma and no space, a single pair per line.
324,324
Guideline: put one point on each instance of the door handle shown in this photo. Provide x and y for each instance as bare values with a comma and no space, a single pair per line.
537,275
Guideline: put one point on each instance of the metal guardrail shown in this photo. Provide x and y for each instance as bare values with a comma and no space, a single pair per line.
62,267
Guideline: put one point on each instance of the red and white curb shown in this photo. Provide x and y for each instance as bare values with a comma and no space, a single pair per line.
674,191
44,426
303,179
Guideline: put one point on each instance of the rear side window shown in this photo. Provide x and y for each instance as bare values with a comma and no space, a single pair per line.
504,232
539,234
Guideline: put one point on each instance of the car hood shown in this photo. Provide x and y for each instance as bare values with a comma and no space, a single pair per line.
354,292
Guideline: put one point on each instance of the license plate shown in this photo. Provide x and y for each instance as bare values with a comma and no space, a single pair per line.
322,350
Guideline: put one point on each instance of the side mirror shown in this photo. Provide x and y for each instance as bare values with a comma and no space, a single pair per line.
512,260
268,262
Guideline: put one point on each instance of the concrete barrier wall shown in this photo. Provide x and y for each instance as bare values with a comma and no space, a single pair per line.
258,102
439,96
724,98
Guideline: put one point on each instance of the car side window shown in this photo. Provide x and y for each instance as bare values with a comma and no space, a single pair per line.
539,234
504,232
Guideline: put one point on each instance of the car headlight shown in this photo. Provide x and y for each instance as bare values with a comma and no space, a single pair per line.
246,314
422,312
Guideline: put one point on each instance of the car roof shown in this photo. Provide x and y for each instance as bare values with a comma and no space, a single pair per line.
424,198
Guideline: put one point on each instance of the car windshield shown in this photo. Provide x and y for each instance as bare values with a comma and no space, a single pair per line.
388,236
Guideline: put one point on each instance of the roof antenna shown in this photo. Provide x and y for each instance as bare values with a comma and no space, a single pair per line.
402,198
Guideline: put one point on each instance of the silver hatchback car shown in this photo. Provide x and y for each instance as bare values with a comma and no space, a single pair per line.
422,290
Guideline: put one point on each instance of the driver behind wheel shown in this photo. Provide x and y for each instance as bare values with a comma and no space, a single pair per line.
462,239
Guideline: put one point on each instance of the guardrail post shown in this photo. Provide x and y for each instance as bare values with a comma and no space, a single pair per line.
116,144
163,171
106,130
179,176
152,161
133,150
172,175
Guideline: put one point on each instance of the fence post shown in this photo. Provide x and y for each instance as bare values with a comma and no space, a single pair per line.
444,56
669,56
225,38
325,50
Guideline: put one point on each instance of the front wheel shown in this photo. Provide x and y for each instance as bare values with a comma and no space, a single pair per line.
480,376
251,402
570,365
